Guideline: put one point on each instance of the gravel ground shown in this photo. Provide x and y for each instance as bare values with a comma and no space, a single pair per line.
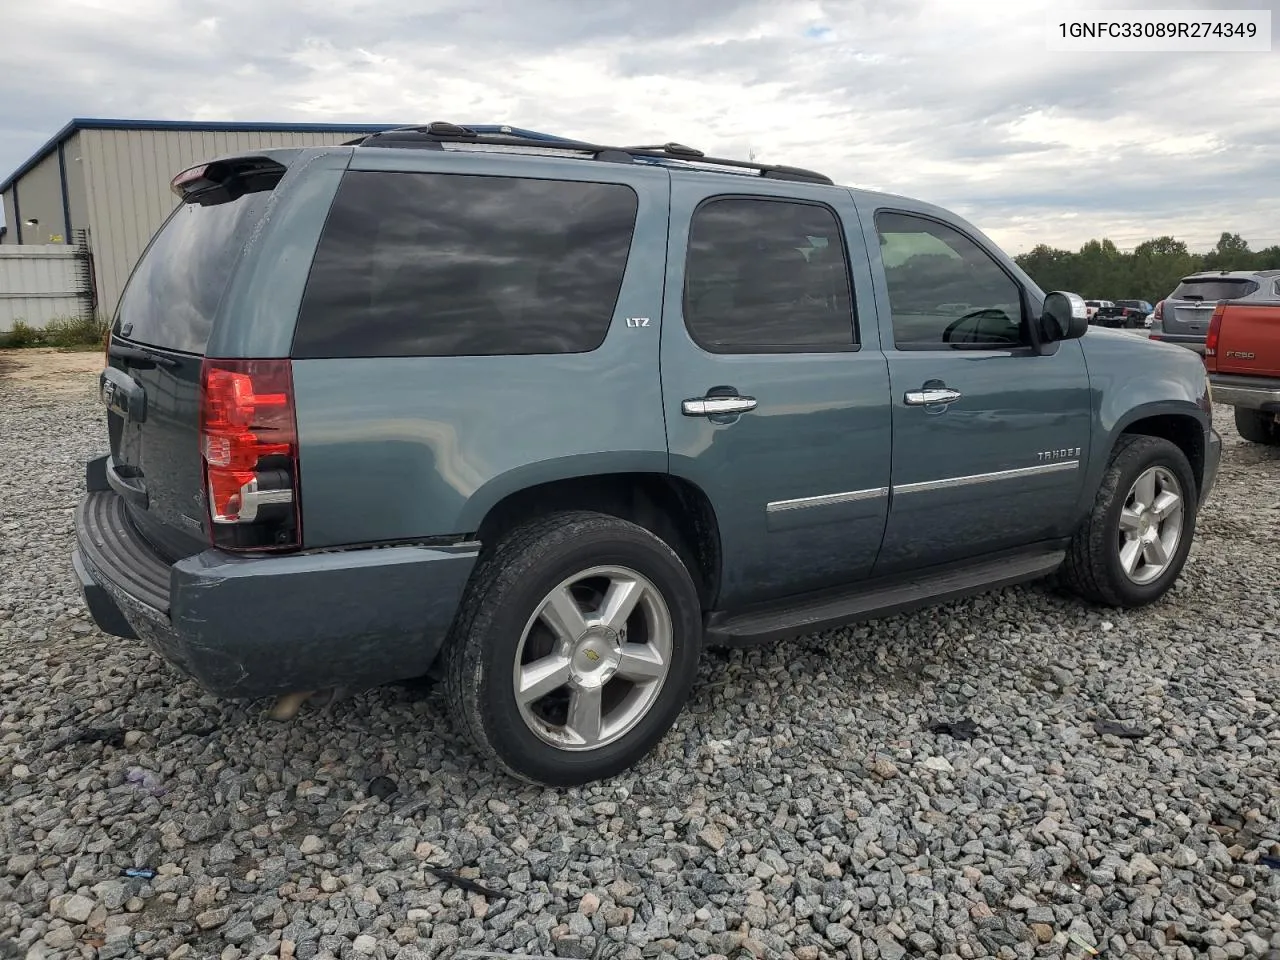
801,807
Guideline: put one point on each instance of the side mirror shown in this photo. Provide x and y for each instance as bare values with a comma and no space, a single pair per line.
1065,317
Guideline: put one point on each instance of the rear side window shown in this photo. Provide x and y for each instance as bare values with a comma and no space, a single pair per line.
767,275
173,294
1214,289
427,264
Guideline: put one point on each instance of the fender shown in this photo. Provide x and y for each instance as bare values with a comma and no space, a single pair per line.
1133,378
1108,432
575,467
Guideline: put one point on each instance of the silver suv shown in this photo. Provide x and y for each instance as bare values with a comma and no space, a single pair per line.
1183,316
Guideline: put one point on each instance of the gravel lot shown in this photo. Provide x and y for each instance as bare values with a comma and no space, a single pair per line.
800,808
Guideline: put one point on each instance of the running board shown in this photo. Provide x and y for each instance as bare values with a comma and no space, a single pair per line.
878,598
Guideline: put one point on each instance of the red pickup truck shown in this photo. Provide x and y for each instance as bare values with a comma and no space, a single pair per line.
1242,356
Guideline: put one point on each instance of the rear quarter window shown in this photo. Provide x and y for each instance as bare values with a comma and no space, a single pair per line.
173,294
427,264
1214,288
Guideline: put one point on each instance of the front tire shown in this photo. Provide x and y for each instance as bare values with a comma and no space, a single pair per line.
1132,547
1257,426
575,648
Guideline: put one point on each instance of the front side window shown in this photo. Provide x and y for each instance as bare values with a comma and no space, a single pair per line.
429,264
945,291
767,275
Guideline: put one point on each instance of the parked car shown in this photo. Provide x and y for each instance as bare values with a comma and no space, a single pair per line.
549,421
1093,306
1242,355
1127,314
1183,316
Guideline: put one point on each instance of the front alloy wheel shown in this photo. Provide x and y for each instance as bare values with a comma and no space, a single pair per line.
1131,547
1150,525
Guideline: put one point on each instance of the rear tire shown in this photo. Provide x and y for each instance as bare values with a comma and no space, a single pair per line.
1130,550
1257,426
575,648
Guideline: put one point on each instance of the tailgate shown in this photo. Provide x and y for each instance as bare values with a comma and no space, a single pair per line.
1190,318
151,385
1189,309
1249,339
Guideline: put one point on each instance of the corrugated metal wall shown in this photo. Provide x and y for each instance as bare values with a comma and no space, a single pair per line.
40,199
37,284
10,219
127,175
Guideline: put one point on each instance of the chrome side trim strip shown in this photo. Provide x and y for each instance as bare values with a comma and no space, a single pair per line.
827,499
1060,467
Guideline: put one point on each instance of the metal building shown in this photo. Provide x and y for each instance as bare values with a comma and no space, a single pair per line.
105,184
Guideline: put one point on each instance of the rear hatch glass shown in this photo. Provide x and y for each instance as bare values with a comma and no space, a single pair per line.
152,382
1214,289
173,294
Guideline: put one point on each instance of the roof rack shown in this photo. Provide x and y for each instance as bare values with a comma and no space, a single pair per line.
433,136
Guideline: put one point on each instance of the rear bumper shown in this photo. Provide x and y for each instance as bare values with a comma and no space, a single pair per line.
262,626
1256,393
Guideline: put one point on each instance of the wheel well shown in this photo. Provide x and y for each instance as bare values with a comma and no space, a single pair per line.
1185,433
668,507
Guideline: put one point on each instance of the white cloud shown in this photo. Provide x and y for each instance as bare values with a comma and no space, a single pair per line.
958,103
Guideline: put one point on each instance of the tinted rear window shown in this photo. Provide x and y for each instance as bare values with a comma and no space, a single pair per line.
1214,288
427,264
767,274
172,296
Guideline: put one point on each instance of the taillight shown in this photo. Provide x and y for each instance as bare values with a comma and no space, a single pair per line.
188,179
1215,328
249,444
1158,313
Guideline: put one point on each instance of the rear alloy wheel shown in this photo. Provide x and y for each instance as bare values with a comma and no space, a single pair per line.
1257,426
1135,541
575,648
593,658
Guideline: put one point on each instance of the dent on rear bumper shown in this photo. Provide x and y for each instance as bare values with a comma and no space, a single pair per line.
256,627
260,626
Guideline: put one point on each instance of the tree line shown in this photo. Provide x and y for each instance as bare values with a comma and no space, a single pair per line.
1100,271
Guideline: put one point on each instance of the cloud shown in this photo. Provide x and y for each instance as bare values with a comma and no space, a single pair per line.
960,104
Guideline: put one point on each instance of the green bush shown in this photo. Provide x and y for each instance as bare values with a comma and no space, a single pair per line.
58,332
22,335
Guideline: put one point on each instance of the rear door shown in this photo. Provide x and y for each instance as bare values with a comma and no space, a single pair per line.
1194,299
776,393
151,383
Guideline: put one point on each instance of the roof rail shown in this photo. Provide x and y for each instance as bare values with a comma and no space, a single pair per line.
434,135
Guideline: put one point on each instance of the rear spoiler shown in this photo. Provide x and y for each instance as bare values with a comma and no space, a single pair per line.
222,181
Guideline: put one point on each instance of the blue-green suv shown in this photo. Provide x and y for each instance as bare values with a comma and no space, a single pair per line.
545,419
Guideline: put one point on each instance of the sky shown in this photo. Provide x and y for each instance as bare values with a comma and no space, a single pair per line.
959,102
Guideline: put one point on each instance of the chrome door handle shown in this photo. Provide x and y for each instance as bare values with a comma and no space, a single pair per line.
921,398
717,406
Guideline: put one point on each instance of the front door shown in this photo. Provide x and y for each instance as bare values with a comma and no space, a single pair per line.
990,438
776,407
